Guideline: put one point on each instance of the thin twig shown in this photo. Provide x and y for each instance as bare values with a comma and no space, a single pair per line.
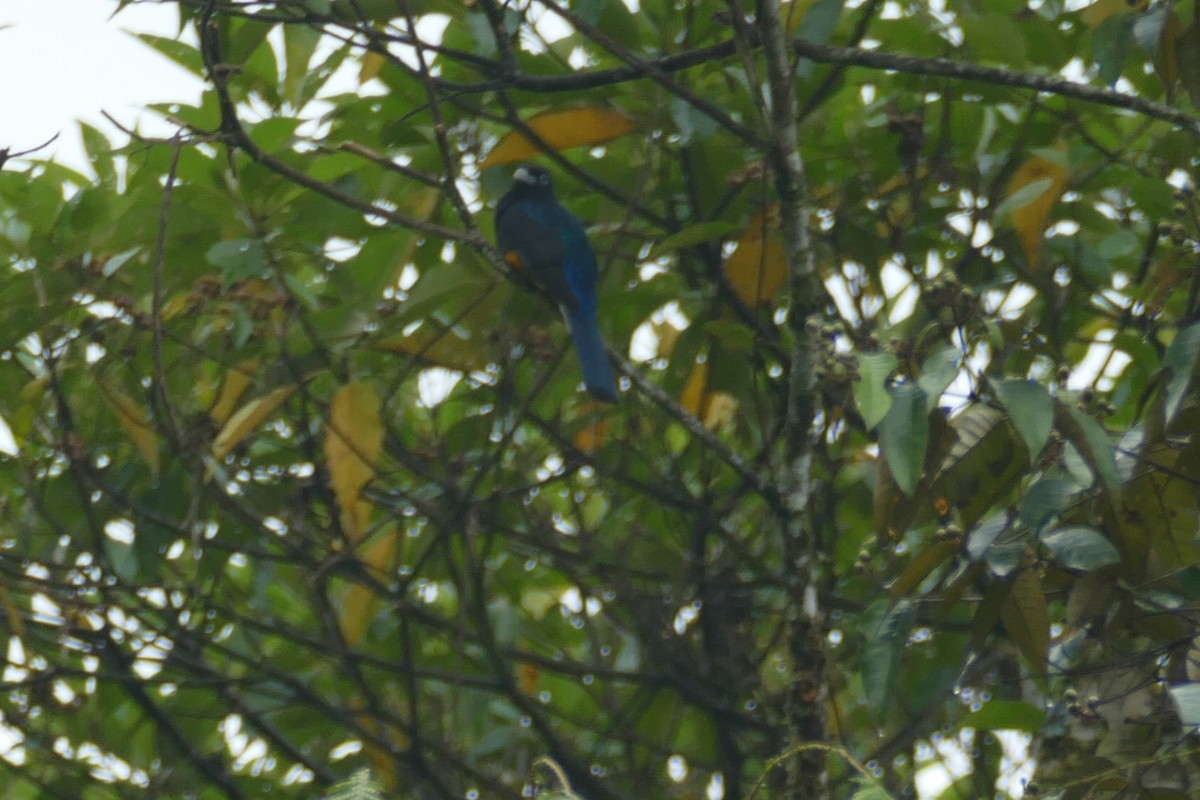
692,424
5,155
159,389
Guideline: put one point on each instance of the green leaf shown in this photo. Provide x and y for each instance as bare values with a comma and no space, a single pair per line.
692,124
1180,364
299,44
1003,559
238,259
485,38
820,21
692,235
904,434
1148,28
817,26
984,534
1093,443
1111,42
1188,49
1045,500
1026,617
1080,548
181,53
318,76
439,283
996,37
870,391
362,785
275,134
99,151
122,556
1022,197
733,336
886,627
870,791
260,68
589,10
1120,244
1006,715
938,372
1031,410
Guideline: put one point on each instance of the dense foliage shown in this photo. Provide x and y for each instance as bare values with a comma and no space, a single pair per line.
302,479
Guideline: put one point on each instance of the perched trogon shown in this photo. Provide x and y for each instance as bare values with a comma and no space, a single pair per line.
549,244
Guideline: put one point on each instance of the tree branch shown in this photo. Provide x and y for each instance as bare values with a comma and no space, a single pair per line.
998,76
804,702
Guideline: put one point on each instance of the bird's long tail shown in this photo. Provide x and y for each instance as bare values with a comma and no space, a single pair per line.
597,370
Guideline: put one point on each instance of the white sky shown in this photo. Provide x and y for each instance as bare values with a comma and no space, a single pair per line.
65,60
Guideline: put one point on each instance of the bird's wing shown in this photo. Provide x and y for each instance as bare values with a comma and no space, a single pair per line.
539,249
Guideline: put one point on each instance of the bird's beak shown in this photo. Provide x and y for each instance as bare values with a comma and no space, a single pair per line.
524,175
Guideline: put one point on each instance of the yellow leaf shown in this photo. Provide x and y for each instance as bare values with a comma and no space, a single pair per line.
758,267
667,335
372,63
384,763
33,391
235,385
388,739
353,438
177,305
1166,57
592,438
16,622
527,677
722,406
692,397
1171,269
135,423
24,415
1101,10
561,130
1029,218
714,409
246,419
358,604
439,346
900,181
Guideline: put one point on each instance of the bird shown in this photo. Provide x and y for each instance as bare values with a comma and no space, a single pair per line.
549,244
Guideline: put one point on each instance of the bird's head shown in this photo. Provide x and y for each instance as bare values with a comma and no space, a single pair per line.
532,177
